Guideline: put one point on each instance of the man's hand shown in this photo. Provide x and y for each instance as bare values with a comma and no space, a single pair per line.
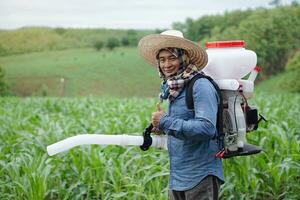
156,116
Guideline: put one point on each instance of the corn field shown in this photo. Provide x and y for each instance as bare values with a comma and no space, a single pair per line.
28,125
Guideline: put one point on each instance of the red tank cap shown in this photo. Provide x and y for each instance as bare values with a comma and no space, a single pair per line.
225,44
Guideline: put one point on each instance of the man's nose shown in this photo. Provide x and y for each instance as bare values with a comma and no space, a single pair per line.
168,63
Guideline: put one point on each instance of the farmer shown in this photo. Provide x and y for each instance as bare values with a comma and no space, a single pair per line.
194,171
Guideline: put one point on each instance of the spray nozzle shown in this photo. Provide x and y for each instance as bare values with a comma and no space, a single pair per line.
254,73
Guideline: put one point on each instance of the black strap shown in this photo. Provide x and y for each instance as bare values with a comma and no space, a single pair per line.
190,103
189,90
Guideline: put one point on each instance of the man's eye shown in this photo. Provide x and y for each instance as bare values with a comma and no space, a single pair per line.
173,58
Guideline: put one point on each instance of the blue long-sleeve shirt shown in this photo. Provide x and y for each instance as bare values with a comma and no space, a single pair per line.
191,133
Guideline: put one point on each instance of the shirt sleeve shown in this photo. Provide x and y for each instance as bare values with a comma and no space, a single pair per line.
203,125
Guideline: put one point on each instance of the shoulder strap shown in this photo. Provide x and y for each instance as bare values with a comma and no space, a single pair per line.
190,102
189,90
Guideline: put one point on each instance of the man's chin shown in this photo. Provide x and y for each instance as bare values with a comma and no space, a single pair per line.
170,75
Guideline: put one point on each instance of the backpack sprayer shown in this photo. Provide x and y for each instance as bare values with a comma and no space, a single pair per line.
228,62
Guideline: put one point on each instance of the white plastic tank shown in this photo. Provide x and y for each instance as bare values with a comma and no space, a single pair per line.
229,60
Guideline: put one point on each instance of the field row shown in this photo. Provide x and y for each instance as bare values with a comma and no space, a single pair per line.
96,172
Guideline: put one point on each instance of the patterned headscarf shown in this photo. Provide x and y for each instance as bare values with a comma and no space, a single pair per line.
172,86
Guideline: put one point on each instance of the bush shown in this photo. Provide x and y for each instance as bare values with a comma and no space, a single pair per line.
293,68
130,40
112,43
294,62
132,37
60,30
98,45
133,41
125,41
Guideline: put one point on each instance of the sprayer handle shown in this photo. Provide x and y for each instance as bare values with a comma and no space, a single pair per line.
147,138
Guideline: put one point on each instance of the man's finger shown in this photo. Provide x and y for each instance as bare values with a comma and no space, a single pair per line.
158,108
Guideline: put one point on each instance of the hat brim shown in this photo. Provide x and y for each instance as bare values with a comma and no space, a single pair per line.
150,45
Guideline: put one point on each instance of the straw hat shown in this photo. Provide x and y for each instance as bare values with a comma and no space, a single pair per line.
150,45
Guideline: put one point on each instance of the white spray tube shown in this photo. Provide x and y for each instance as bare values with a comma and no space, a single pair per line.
227,84
122,140
241,124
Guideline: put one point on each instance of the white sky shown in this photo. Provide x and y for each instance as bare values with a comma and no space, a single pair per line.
138,14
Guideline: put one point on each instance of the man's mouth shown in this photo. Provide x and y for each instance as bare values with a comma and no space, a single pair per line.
168,70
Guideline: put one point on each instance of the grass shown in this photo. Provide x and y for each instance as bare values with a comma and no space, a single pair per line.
28,125
120,73
275,83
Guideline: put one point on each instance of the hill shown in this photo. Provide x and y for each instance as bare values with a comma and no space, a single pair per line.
61,62
36,39
81,72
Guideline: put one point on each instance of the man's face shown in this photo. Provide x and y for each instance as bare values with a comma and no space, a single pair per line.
168,63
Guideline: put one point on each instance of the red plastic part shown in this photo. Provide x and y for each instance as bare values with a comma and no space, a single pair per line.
220,154
257,69
225,44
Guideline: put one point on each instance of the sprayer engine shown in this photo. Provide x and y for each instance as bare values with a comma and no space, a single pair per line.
238,119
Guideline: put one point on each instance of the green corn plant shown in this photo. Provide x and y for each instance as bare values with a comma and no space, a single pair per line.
108,172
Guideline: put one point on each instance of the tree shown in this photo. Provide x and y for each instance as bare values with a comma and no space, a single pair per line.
60,30
272,33
132,37
275,3
180,26
125,41
292,84
112,43
98,45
